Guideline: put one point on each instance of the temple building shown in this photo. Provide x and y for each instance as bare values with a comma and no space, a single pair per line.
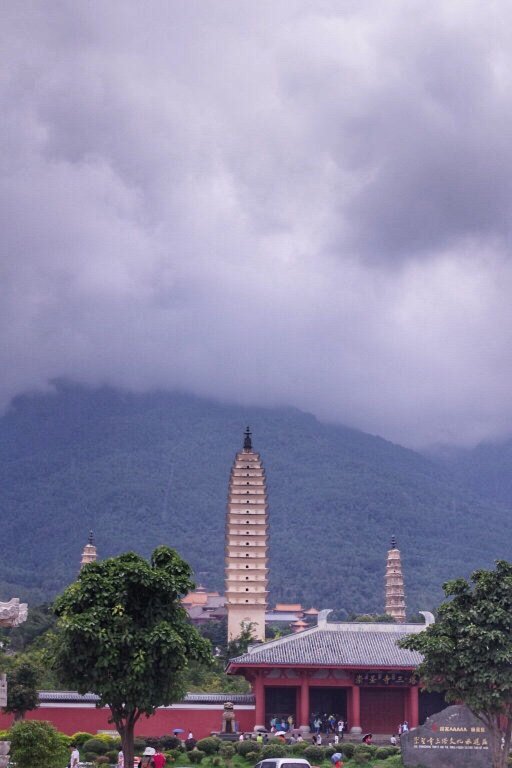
353,670
89,554
246,543
394,585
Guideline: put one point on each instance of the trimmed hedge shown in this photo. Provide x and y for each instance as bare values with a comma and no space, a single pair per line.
347,749
314,754
169,741
80,737
245,748
196,755
96,746
226,751
210,745
273,750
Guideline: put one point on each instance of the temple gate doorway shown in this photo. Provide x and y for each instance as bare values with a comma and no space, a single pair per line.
328,701
382,709
280,703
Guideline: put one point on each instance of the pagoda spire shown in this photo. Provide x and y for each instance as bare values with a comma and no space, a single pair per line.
246,544
89,554
394,584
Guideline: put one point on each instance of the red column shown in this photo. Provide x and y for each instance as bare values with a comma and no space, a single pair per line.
355,710
413,708
259,693
304,701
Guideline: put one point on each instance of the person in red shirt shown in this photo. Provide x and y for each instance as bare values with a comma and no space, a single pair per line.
158,759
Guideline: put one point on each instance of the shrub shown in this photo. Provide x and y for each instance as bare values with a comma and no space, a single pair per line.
112,755
347,749
226,751
244,748
89,757
314,754
217,761
169,741
252,757
153,741
273,750
139,744
382,753
102,760
363,753
210,745
299,747
330,751
80,737
36,743
175,753
395,761
97,746
196,755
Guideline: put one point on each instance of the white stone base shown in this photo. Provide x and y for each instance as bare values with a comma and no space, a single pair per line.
356,730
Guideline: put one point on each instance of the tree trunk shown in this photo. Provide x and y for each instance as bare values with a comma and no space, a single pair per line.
499,755
127,744
126,729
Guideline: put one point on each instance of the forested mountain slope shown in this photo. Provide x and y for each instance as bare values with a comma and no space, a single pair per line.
146,469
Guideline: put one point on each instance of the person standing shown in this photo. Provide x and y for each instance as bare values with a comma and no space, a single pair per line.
75,756
341,727
159,759
120,759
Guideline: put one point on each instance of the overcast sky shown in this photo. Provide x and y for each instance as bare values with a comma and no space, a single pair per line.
304,203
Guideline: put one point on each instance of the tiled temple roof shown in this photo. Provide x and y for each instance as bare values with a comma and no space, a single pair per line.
334,645
46,697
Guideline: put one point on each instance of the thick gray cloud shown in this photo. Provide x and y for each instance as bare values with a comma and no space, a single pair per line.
293,202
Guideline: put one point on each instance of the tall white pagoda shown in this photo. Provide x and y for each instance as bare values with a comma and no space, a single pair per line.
394,580
246,544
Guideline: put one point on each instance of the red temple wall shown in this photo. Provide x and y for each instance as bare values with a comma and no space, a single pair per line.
201,720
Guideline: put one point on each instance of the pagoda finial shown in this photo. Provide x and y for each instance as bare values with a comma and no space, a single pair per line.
393,542
247,440
91,538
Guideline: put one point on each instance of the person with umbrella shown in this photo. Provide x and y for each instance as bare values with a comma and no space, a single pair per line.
337,760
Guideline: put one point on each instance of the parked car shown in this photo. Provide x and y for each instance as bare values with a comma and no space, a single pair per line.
283,762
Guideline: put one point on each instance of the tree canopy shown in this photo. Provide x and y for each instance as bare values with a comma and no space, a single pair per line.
468,651
124,635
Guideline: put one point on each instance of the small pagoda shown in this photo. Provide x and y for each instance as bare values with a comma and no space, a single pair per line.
89,554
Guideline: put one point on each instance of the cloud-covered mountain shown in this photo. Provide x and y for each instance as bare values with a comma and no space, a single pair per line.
267,203
142,470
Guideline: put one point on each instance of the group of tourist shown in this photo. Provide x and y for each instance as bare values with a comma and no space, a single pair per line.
284,724
151,758
328,724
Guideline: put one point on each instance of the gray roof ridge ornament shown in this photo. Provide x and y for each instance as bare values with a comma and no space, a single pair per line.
429,617
322,618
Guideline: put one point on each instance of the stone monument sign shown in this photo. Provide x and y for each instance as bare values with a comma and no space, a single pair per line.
453,738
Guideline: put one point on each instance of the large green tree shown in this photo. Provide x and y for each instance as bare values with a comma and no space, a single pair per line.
468,651
23,679
124,635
